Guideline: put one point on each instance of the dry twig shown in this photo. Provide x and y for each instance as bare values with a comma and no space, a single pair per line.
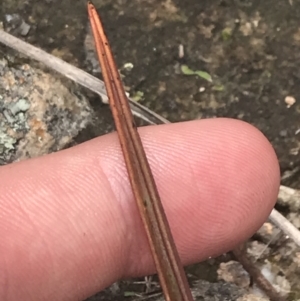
280,221
77,75
256,274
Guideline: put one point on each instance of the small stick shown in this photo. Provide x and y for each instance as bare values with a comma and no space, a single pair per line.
256,274
170,271
287,227
77,75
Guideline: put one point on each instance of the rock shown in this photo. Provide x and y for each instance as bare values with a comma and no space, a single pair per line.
252,297
15,24
233,272
294,218
268,233
220,291
289,197
257,250
39,113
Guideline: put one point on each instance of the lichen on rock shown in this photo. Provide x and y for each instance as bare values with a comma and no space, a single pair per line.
39,113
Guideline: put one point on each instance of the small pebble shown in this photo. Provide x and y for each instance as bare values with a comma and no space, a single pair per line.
289,100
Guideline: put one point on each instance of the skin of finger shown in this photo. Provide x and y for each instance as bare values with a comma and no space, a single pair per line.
69,225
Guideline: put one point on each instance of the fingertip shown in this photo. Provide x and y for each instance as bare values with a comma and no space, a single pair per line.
221,182
218,180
